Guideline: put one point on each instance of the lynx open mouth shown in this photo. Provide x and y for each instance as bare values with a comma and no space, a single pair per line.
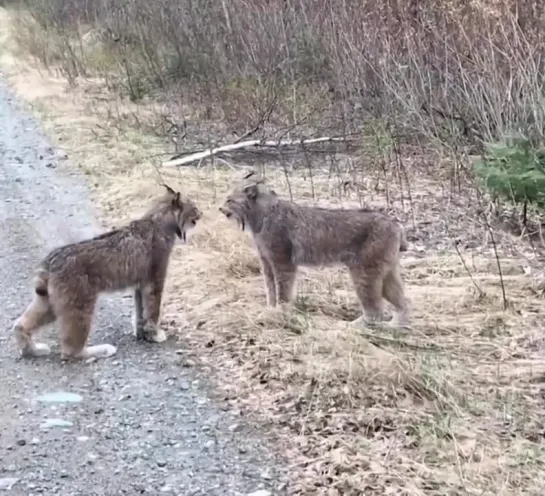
180,234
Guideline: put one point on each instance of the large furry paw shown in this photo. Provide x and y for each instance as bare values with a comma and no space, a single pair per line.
157,336
104,350
97,351
154,333
400,321
366,321
35,350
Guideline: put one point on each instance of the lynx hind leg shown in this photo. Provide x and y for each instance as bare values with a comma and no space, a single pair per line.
394,292
75,328
152,295
38,314
368,283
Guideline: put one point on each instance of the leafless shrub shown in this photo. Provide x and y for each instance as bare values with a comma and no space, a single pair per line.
450,72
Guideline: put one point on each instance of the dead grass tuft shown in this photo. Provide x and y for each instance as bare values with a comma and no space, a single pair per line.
453,406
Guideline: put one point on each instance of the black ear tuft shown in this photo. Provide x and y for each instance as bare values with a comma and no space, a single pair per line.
176,201
249,175
170,190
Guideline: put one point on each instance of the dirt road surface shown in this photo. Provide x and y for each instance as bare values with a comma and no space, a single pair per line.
137,423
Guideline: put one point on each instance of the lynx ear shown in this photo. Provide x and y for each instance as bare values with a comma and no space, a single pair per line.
176,201
251,191
249,174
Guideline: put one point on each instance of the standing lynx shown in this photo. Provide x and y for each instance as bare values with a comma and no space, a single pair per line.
70,278
288,235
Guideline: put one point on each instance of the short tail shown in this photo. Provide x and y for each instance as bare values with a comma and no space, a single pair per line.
41,282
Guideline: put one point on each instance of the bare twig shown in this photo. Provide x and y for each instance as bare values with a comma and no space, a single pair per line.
477,287
265,116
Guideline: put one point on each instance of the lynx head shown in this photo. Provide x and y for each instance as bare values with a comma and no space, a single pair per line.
242,199
180,214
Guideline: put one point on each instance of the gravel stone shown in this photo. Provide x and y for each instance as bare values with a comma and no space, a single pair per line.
160,417
7,483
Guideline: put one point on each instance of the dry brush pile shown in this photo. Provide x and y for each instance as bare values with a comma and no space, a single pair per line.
453,406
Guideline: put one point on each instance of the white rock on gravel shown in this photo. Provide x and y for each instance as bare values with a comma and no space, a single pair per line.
7,483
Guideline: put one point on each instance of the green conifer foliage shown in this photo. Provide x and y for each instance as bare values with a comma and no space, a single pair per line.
514,169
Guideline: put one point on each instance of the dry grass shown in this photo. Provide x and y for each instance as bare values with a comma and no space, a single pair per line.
453,406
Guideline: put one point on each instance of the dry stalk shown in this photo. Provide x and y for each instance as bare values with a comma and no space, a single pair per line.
498,263
310,175
286,175
479,290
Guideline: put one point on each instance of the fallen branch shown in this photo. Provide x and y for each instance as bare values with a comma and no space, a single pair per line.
248,144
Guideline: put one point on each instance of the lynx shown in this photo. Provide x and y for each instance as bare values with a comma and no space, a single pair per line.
288,235
70,278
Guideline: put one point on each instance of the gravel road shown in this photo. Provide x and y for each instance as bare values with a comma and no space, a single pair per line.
137,423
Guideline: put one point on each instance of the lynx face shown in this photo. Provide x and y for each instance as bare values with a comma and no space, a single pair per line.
187,216
239,203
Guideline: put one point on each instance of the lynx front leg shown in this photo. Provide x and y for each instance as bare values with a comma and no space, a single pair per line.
138,314
284,275
268,278
152,294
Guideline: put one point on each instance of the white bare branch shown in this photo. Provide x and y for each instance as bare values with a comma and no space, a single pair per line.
193,157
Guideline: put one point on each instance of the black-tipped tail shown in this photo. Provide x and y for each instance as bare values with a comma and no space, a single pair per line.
41,282
41,291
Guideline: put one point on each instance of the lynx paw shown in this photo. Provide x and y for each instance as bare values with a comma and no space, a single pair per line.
400,321
35,350
98,351
154,333
367,321
157,336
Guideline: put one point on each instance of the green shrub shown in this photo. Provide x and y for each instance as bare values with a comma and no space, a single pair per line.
514,169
